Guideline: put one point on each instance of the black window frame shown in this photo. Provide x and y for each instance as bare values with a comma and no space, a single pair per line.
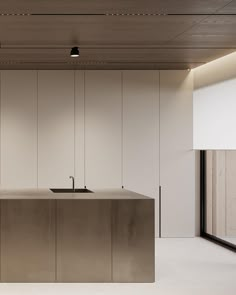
203,233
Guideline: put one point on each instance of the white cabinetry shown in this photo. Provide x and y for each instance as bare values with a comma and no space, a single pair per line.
141,133
108,129
18,129
56,98
103,105
79,128
177,159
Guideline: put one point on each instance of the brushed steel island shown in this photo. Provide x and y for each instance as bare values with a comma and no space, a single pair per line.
105,236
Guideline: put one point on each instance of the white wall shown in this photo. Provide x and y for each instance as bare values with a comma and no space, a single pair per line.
214,104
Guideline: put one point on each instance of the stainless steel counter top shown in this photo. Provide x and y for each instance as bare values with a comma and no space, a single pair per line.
113,194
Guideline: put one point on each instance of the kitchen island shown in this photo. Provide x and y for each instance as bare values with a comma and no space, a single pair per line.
105,236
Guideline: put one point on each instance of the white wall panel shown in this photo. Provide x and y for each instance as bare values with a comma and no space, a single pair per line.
55,128
141,133
177,159
215,104
103,129
214,116
18,129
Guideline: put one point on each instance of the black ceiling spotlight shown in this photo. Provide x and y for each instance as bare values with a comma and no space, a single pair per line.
74,52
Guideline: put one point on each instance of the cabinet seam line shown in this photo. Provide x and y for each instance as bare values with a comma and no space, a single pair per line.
159,154
122,130
37,122
84,128
75,128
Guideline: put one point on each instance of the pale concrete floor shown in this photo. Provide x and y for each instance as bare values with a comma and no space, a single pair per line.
183,266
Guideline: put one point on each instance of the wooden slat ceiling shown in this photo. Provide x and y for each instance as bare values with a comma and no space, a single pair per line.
159,34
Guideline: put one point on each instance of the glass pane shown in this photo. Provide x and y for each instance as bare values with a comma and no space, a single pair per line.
220,206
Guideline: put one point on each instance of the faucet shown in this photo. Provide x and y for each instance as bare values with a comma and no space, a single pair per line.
73,182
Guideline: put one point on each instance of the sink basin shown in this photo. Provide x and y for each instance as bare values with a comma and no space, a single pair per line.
70,190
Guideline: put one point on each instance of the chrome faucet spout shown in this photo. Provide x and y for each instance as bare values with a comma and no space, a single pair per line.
73,182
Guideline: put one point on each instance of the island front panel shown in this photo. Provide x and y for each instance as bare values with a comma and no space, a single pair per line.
77,240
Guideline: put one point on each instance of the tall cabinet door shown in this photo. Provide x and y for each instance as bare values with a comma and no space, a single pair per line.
141,133
177,158
103,109
18,129
79,128
55,128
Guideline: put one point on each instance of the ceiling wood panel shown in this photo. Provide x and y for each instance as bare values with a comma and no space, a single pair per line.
229,9
106,58
93,30
113,55
106,6
192,36
213,31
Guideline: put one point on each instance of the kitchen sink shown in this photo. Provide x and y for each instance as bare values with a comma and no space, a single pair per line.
70,190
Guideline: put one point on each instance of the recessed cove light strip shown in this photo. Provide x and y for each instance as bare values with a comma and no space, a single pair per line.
136,14
114,14
15,14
